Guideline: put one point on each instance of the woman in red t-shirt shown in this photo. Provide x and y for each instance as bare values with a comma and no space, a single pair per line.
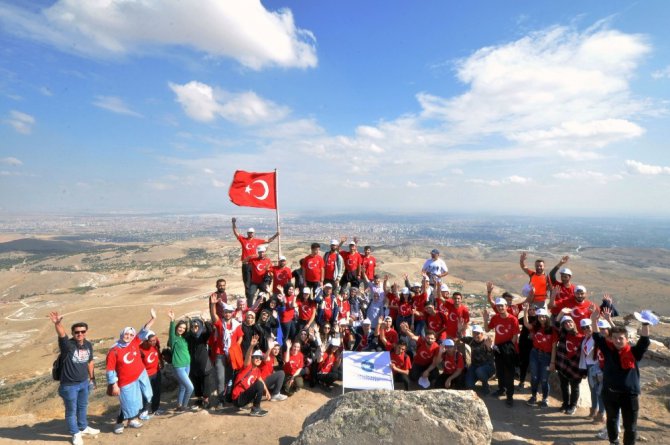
544,339
150,350
272,371
329,364
294,368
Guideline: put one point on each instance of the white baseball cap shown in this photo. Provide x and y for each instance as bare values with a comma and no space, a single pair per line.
352,243
261,249
334,242
566,318
282,258
448,342
500,301
343,322
604,324
477,328
404,291
585,322
444,288
228,308
251,230
565,271
327,285
367,321
541,312
306,290
257,353
580,288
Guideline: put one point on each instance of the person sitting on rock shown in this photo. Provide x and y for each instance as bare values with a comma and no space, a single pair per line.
329,365
426,351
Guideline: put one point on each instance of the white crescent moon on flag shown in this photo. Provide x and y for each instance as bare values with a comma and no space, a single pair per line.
500,330
152,357
266,189
125,358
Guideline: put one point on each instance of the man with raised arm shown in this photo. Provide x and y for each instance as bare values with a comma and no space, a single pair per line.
249,246
77,376
538,279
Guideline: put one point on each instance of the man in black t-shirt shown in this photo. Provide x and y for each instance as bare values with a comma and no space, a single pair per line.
77,376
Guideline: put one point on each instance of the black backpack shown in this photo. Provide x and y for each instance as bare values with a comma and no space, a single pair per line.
166,353
57,368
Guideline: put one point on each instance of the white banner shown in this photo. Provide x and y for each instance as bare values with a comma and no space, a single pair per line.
367,370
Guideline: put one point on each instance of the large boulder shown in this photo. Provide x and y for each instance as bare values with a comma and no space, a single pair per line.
398,417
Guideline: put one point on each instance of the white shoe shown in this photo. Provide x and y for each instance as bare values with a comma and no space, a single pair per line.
278,397
90,431
77,439
118,428
135,424
144,415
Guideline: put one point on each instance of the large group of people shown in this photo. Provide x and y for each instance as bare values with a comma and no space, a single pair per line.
290,328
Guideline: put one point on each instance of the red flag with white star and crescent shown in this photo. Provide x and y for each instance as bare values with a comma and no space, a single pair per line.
253,189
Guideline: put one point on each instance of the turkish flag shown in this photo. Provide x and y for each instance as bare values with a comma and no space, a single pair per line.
251,189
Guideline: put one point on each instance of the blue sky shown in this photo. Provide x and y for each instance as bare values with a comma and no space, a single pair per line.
514,107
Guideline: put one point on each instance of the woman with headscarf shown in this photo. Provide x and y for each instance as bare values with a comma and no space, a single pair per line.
201,366
245,332
127,376
181,361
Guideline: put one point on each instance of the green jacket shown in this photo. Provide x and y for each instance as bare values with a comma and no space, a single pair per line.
180,355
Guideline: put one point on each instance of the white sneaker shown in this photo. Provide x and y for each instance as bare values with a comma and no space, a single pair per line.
135,424
118,428
144,415
90,431
278,397
77,439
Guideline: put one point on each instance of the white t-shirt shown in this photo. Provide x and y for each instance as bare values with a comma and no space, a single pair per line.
434,268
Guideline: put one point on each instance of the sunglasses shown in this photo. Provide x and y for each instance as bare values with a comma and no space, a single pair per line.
79,332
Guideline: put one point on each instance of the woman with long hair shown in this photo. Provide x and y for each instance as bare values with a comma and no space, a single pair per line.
565,359
181,360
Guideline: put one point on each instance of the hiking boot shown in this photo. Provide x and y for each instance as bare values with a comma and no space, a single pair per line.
532,401
258,412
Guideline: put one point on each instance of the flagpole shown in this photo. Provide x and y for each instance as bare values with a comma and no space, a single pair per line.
277,215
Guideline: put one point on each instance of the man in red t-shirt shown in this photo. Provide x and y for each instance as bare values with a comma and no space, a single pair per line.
456,311
388,336
426,351
453,366
249,246
368,263
563,289
313,267
578,307
261,275
506,342
333,265
352,266
281,276
401,364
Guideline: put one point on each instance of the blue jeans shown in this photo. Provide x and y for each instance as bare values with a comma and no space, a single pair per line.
595,379
539,372
482,373
75,398
185,385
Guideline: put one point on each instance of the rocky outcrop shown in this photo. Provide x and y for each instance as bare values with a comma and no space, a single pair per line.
398,417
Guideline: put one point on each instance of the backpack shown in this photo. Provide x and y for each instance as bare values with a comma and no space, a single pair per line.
166,353
57,368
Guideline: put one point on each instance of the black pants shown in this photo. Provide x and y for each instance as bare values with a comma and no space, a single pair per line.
153,404
401,378
629,405
203,384
254,393
505,374
417,370
457,383
327,379
525,345
569,390
246,274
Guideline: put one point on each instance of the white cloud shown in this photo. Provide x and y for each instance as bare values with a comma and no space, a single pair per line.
46,91
639,168
204,103
663,73
219,184
21,122
242,30
577,155
456,171
411,184
11,161
356,184
209,171
587,175
514,179
115,105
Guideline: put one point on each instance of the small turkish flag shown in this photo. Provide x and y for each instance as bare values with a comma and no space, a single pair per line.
250,189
